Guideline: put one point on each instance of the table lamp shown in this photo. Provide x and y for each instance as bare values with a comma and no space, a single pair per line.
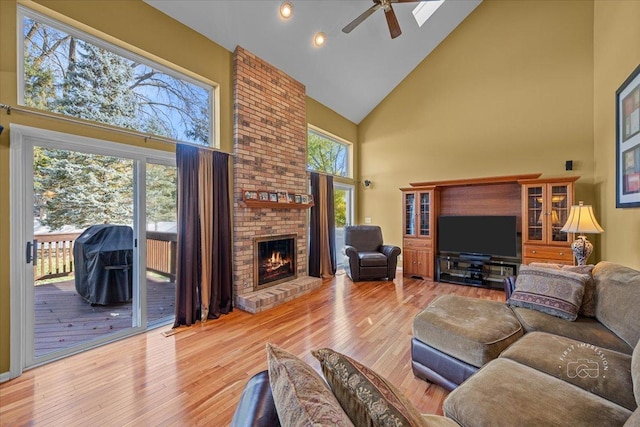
582,221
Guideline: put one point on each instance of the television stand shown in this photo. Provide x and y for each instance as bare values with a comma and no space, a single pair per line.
479,271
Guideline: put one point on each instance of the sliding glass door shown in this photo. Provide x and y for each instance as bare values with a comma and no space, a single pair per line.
96,236
343,210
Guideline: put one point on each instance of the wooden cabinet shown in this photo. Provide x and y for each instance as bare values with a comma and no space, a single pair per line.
418,224
417,258
545,208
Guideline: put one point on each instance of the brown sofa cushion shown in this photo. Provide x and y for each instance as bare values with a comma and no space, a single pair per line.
470,329
618,299
555,292
585,329
603,372
507,393
634,419
301,396
588,307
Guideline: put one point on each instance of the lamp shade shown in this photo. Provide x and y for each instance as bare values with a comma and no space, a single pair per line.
582,220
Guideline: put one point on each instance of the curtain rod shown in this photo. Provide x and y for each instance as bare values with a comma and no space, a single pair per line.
144,135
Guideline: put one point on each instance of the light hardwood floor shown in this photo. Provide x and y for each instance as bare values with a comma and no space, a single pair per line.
196,377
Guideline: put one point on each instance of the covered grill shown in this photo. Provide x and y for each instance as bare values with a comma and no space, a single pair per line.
104,264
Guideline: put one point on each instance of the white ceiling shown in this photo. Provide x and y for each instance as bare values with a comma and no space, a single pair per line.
351,73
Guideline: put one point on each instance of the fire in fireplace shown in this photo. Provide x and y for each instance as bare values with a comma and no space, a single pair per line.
274,261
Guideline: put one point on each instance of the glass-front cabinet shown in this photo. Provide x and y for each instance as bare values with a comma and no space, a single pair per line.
545,209
418,232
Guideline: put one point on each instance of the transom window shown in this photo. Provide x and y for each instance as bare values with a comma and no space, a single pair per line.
328,154
69,72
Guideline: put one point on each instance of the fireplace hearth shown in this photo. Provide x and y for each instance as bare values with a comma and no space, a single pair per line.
274,260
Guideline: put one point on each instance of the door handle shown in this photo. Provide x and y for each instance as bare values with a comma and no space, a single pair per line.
32,252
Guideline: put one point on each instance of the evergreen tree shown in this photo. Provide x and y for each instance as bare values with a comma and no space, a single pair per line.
162,194
96,88
80,190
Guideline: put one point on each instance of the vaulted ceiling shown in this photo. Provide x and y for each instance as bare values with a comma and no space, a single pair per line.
351,73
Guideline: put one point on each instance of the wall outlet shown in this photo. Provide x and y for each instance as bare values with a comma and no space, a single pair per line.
367,220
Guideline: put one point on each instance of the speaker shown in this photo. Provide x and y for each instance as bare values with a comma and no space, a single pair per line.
568,165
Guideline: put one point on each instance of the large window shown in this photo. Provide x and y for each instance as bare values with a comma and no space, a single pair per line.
69,72
327,154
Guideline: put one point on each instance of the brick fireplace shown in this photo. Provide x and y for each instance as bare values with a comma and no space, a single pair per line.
270,154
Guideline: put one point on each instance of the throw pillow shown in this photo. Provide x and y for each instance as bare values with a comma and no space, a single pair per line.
301,396
366,397
555,292
588,307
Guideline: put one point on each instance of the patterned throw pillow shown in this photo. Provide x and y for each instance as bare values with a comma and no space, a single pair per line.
366,397
555,292
588,307
301,396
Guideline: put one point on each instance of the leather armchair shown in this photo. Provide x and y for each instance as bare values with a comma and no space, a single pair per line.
366,257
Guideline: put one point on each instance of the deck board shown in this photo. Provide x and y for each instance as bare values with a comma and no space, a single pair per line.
63,318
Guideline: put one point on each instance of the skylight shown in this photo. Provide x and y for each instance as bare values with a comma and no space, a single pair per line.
425,9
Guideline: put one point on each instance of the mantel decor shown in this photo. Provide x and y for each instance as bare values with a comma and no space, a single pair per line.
275,199
628,142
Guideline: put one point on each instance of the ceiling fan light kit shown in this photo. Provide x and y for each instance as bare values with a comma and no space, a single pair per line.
392,20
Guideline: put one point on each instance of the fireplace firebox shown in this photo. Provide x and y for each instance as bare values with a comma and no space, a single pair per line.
274,260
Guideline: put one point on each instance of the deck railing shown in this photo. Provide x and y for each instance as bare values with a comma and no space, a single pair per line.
55,254
161,253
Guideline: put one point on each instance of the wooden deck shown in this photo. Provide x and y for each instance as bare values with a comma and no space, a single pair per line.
63,318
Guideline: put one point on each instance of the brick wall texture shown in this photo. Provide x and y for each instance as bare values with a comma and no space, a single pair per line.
270,147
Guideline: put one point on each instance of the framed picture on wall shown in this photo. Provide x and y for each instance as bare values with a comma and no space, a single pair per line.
628,142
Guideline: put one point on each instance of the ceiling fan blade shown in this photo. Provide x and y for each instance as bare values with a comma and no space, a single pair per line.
353,24
392,22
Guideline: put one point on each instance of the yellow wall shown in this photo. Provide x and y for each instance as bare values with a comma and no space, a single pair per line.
145,28
510,91
616,55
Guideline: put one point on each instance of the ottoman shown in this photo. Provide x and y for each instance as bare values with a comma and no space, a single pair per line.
454,336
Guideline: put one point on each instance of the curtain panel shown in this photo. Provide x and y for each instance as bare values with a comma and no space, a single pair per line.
322,256
203,270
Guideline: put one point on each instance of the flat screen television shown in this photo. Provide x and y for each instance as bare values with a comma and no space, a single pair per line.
478,235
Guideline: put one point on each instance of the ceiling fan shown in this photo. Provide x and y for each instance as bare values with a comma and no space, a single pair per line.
392,21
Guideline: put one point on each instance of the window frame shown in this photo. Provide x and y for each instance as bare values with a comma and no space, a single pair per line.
328,135
125,50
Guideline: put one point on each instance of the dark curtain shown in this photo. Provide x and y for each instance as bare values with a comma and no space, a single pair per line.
314,232
190,254
331,224
322,253
188,246
222,283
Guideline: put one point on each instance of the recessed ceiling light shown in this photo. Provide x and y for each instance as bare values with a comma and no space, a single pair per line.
319,39
286,10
